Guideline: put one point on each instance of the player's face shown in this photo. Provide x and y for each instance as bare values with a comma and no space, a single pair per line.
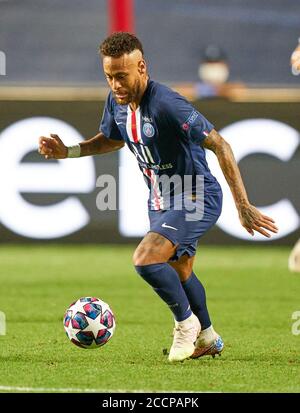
126,76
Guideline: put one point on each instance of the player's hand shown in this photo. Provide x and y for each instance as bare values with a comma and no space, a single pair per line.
52,148
253,220
295,60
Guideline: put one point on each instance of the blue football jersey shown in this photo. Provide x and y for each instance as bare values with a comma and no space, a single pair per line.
165,135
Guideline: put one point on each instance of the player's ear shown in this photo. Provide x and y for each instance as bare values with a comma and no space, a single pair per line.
142,67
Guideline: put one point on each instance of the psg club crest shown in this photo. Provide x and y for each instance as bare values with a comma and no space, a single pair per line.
148,130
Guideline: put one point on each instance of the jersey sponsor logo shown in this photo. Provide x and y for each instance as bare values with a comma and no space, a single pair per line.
148,130
165,166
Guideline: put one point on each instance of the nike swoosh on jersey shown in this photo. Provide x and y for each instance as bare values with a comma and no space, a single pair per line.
168,226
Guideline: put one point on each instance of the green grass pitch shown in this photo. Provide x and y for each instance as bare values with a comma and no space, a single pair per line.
251,298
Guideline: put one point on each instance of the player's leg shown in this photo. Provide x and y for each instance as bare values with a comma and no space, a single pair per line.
193,288
294,258
154,248
151,262
208,342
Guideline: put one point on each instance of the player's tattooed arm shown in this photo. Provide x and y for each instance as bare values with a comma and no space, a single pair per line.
251,218
54,148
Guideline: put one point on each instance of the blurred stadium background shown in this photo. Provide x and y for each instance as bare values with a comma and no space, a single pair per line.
51,81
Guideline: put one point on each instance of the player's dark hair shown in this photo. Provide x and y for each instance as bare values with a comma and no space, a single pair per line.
120,43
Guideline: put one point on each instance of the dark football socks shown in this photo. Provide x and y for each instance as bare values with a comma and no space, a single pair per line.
195,293
166,283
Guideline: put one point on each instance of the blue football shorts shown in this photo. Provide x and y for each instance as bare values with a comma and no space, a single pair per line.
185,232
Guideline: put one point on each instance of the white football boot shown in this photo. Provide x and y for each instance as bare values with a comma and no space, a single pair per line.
185,335
209,343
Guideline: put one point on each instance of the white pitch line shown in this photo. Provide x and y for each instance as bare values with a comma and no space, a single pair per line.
76,390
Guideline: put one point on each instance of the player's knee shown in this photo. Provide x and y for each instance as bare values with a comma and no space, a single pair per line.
153,249
184,273
138,258
146,256
184,269
143,256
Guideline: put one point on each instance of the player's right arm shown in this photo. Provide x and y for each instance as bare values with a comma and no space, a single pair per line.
53,147
109,138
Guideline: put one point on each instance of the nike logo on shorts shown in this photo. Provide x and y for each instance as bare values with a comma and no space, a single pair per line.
164,225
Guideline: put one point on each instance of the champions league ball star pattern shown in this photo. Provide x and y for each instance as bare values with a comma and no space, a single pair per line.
89,322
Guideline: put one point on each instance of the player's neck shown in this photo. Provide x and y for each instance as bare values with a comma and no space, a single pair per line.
136,103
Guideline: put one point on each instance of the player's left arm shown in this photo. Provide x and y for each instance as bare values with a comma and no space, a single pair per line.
251,218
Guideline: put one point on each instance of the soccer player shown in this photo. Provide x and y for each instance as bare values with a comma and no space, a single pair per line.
294,258
168,137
